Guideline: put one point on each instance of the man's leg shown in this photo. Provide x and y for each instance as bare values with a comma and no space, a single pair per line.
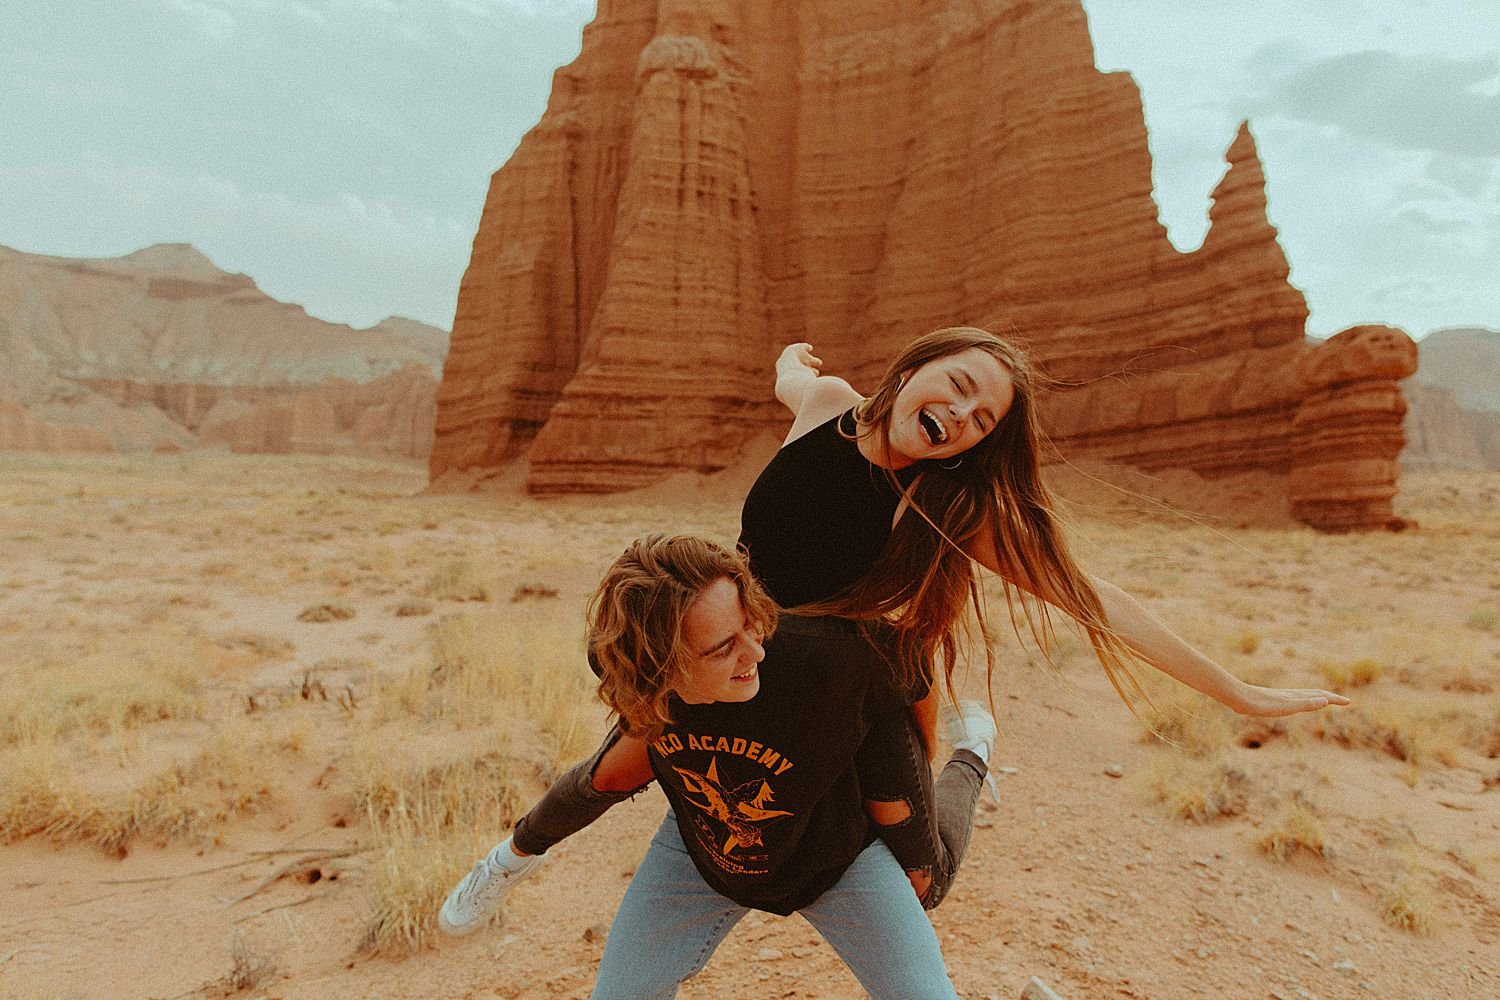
875,923
668,924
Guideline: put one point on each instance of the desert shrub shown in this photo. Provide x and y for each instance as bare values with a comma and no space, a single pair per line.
427,815
532,592
1408,904
1342,676
1296,829
1484,620
1189,722
456,580
258,644
1198,791
326,612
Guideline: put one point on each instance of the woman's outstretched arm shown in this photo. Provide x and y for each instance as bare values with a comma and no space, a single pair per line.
812,398
1165,650
1168,652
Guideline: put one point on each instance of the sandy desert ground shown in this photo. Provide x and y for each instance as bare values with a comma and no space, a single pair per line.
257,715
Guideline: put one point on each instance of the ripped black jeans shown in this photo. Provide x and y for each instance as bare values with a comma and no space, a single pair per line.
892,766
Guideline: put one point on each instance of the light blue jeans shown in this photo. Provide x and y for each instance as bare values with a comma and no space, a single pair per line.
670,922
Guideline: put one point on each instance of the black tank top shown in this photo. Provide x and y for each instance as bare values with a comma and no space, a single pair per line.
818,515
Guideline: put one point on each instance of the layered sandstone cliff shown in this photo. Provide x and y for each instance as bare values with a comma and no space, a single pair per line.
162,349
714,179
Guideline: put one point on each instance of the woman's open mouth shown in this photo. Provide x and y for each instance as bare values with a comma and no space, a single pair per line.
748,675
937,434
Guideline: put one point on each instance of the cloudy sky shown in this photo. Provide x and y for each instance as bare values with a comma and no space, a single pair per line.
338,151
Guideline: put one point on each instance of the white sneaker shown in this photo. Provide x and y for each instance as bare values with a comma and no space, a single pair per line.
474,900
973,728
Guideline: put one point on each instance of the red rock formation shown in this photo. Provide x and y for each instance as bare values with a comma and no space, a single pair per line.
1347,434
145,351
714,179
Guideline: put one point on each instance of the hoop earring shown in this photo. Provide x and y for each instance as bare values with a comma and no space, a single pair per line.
955,465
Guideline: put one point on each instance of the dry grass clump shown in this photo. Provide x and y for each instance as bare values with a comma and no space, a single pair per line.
466,682
413,607
1198,791
42,794
456,790
1409,903
1484,620
1343,676
326,612
456,580
248,968
1190,722
435,811
410,879
101,691
257,644
1407,733
482,668
1246,643
430,818
1462,679
1296,829
532,592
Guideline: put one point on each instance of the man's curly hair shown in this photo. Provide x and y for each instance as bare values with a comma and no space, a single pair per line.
635,618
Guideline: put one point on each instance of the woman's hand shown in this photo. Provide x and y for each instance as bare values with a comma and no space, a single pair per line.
796,373
798,357
1265,702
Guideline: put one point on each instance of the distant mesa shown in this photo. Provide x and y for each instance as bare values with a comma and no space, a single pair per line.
1454,417
160,350
711,181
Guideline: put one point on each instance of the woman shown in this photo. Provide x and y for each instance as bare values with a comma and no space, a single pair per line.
766,810
880,507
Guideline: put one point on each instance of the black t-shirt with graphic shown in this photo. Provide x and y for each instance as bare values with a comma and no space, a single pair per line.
764,791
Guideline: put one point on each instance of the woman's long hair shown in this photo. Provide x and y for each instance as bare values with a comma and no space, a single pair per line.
635,639
924,580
